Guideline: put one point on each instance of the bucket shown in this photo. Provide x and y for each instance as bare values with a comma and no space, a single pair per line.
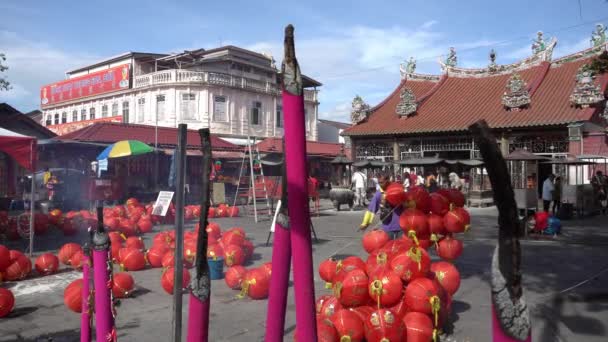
216,268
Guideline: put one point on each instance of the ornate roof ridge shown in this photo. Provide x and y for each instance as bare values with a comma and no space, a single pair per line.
415,76
587,53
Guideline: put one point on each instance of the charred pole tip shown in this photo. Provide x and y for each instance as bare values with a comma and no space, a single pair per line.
292,77
510,308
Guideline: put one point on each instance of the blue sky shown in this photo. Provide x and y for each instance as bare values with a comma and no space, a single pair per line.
352,47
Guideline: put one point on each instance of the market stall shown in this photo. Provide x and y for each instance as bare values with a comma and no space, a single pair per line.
577,194
524,170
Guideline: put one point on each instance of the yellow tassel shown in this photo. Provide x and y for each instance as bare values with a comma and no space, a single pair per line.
122,235
244,290
415,254
412,235
121,267
435,239
376,288
381,258
345,338
467,227
328,286
435,335
435,307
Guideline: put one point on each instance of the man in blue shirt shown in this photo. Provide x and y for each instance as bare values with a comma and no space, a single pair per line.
390,220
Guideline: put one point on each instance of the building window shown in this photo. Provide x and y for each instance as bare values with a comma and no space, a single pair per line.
74,115
83,114
219,108
56,121
114,109
104,111
141,104
125,111
64,117
49,120
160,107
279,119
306,122
92,113
188,106
256,113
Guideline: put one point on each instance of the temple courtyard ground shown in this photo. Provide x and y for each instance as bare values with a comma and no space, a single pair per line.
551,267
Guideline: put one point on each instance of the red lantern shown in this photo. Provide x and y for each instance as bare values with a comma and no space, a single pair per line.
447,275
163,239
7,302
55,216
213,229
385,287
233,211
5,258
77,259
215,251
326,332
211,213
455,197
133,259
374,240
327,271
256,284
155,255
415,263
382,325
457,220
72,296
233,255
351,288
132,202
248,248
395,247
144,225
232,238
166,280
348,325
122,284
135,242
363,312
319,303
436,224
449,248
394,194
376,260
329,307
19,266
350,263
418,198
414,224
234,277
439,204
418,327
267,267
423,295
41,224
400,309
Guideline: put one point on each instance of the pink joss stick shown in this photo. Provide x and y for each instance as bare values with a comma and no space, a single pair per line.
85,318
297,192
104,320
200,289
279,279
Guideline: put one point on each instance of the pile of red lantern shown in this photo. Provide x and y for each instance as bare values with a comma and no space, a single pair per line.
398,294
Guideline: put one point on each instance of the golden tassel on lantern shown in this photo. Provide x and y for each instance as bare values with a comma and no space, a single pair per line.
412,235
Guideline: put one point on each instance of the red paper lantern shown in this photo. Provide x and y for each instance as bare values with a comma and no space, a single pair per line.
234,277
439,204
164,239
375,261
115,252
456,197
233,211
374,240
267,267
215,251
256,284
5,258
55,216
168,259
213,229
449,248
232,238
77,259
248,248
350,263
395,247
144,225
436,225
166,280
363,312
132,202
415,263
400,309
385,287
190,251
211,213
326,332
418,327
423,295
329,307
7,302
447,275
19,268
233,255
122,284
351,288
418,198
188,214
41,224
457,220
382,325
348,325
319,303
72,296
135,242
394,194
414,224
327,271
155,255
133,259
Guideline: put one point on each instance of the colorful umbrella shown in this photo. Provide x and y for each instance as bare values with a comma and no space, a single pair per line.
125,148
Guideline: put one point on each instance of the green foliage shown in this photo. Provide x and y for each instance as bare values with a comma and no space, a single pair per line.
4,84
599,64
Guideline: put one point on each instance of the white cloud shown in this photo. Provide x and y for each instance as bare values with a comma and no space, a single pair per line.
33,64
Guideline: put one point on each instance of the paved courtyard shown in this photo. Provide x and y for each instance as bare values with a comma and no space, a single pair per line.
550,266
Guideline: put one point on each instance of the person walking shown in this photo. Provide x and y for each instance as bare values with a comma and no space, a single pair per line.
548,189
388,216
557,195
360,182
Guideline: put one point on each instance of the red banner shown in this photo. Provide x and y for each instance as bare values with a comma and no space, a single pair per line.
66,128
100,82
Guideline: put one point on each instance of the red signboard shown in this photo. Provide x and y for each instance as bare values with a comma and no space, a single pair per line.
100,82
66,128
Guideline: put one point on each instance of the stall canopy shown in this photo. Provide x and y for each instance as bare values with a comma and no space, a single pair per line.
523,155
22,148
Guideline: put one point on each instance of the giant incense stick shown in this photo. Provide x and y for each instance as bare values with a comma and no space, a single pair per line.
85,316
281,261
198,315
297,192
102,280
510,316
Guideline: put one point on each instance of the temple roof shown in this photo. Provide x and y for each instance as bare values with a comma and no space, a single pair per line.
458,98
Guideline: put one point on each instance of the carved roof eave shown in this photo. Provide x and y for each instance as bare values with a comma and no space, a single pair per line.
505,69
421,77
596,50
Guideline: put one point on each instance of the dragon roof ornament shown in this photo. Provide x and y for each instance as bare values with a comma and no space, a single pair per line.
359,110
516,95
586,93
407,104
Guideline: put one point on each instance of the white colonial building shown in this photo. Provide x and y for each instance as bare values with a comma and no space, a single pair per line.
233,91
